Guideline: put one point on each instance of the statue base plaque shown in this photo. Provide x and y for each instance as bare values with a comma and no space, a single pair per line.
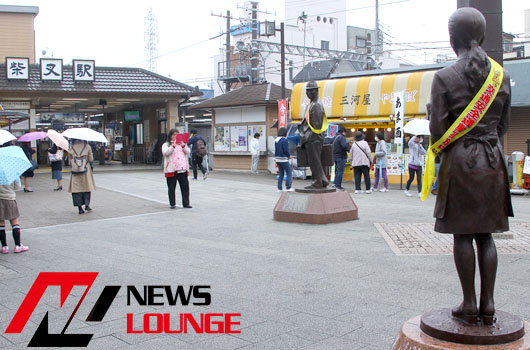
412,337
315,207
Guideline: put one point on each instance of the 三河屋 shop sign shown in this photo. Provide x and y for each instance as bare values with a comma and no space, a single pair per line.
367,96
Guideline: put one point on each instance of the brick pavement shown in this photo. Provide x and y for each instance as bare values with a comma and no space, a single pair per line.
420,239
336,286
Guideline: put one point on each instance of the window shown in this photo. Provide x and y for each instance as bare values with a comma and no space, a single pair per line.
360,42
324,45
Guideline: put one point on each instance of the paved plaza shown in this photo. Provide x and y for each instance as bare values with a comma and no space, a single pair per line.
338,286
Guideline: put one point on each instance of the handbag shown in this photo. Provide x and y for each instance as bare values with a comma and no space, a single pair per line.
56,157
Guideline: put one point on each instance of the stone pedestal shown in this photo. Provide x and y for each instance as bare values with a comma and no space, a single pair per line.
315,207
412,337
440,324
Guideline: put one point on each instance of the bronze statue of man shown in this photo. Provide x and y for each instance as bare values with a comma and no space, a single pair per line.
473,192
312,136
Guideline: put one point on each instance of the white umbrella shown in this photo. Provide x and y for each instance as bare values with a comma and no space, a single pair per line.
417,127
85,134
6,136
58,139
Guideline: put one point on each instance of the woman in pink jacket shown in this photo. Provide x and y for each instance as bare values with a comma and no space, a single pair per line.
176,168
360,160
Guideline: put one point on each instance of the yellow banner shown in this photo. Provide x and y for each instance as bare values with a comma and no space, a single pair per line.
324,122
467,120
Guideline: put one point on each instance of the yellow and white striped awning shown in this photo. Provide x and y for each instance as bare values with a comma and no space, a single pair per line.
366,96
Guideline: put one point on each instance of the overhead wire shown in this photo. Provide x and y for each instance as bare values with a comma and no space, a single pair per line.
284,20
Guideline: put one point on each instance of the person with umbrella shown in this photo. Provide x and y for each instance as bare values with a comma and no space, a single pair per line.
55,155
82,180
8,204
28,151
381,162
416,151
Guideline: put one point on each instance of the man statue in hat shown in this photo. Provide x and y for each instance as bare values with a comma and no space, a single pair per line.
312,136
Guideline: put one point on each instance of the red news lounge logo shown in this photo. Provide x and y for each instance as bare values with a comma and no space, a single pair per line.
150,295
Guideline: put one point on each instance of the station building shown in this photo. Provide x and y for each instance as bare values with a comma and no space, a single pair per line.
133,107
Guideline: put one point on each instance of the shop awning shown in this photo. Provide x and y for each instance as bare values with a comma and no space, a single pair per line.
12,117
368,96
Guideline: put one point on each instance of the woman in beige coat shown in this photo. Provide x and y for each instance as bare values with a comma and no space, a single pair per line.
82,180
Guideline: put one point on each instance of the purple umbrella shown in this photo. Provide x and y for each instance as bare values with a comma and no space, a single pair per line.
32,136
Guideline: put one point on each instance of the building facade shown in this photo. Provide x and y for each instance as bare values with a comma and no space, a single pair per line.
236,117
17,31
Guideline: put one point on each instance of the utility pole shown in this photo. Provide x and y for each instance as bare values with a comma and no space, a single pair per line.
492,11
376,46
254,58
282,55
227,84
303,18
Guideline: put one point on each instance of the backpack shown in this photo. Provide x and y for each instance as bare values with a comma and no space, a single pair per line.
200,148
79,163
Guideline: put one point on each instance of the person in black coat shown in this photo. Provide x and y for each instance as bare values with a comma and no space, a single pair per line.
28,151
340,154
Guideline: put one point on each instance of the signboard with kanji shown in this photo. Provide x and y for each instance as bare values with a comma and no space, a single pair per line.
399,116
51,69
84,70
17,68
282,114
332,130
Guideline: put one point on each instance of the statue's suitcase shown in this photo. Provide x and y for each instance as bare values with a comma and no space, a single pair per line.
327,156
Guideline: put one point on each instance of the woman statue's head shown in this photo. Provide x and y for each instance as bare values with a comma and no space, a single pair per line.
467,26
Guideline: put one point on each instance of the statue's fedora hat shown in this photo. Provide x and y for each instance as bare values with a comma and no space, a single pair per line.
312,85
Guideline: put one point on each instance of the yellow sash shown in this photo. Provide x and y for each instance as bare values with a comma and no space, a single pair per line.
324,121
467,120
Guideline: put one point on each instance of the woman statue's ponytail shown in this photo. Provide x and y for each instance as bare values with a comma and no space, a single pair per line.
477,66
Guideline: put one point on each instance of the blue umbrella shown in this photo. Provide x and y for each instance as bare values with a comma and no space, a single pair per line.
13,162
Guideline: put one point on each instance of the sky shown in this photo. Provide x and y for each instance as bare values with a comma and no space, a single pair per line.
112,32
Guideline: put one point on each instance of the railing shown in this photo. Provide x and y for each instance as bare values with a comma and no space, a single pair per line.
237,70
138,154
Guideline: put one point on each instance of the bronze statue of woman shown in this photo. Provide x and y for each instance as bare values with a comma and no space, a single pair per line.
473,192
